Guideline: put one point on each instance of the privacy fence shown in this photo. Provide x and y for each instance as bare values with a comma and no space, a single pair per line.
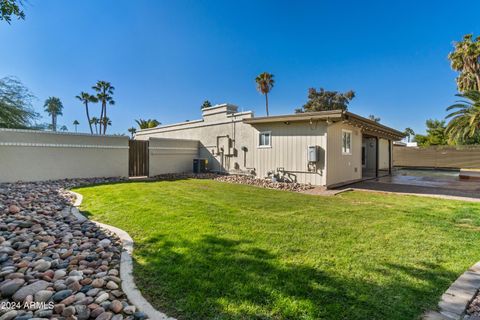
467,157
27,155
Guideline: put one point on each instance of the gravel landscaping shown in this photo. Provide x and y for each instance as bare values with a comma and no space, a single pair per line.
473,310
53,266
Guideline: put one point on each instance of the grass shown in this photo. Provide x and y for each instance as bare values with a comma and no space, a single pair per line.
212,250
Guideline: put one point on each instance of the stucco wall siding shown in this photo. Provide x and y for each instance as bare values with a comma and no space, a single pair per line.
288,150
343,168
212,136
35,155
232,145
171,155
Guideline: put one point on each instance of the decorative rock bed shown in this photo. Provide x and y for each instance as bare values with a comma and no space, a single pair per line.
54,265
241,179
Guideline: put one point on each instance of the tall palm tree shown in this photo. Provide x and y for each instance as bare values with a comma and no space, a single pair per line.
54,107
265,84
104,91
132,131
465,120
75,124
106,122
85,98
409,133
95,122
146,124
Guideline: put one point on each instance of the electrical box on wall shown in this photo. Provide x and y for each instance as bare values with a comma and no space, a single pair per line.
312,155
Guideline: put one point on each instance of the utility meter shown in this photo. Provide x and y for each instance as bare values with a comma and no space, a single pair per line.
312,155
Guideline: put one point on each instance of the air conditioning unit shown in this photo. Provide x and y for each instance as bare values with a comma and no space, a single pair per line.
200,165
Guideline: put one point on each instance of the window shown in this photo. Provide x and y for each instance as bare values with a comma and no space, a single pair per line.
265,139
346,142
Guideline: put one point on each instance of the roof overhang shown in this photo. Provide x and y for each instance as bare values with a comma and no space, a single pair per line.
366,125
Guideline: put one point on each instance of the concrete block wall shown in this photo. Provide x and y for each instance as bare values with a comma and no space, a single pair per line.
27,155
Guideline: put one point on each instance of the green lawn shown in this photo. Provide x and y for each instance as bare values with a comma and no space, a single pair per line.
212,250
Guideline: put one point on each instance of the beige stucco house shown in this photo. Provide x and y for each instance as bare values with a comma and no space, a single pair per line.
327,148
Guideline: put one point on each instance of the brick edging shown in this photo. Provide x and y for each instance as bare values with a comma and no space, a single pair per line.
454,301
126,266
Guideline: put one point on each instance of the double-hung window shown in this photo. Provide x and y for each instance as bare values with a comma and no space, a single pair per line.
265,139
346,142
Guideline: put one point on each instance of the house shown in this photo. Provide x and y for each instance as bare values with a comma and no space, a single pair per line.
327,148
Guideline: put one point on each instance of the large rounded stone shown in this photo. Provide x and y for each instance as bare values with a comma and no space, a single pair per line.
9,315
10,287
105,316
42,265
83,313
111,285
116,306
43,295
98,283
14,209
102,297
60,295
68,311
30,289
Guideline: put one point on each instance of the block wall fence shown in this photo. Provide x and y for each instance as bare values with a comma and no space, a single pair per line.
27,155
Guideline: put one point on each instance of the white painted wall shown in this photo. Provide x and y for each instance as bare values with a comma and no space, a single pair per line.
383,154
343,168
27,155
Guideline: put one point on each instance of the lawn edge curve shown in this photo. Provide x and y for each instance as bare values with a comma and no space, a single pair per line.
126,265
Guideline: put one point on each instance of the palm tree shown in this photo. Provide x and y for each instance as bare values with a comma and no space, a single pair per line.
132,131
76,123
63,128
104,91
146,124
85,98
409,133
106,122
205,104
95,122
53,106
265,84
465,120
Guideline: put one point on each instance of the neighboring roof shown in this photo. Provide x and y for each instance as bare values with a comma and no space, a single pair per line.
367,125
322,115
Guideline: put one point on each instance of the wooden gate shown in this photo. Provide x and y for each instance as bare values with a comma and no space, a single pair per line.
138,158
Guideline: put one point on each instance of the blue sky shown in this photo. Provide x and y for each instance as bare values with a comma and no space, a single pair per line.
166,57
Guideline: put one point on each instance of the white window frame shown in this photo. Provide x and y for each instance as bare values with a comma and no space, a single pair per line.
269,145
347,151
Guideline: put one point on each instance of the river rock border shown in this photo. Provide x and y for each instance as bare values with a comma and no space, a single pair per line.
126,265
454,302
